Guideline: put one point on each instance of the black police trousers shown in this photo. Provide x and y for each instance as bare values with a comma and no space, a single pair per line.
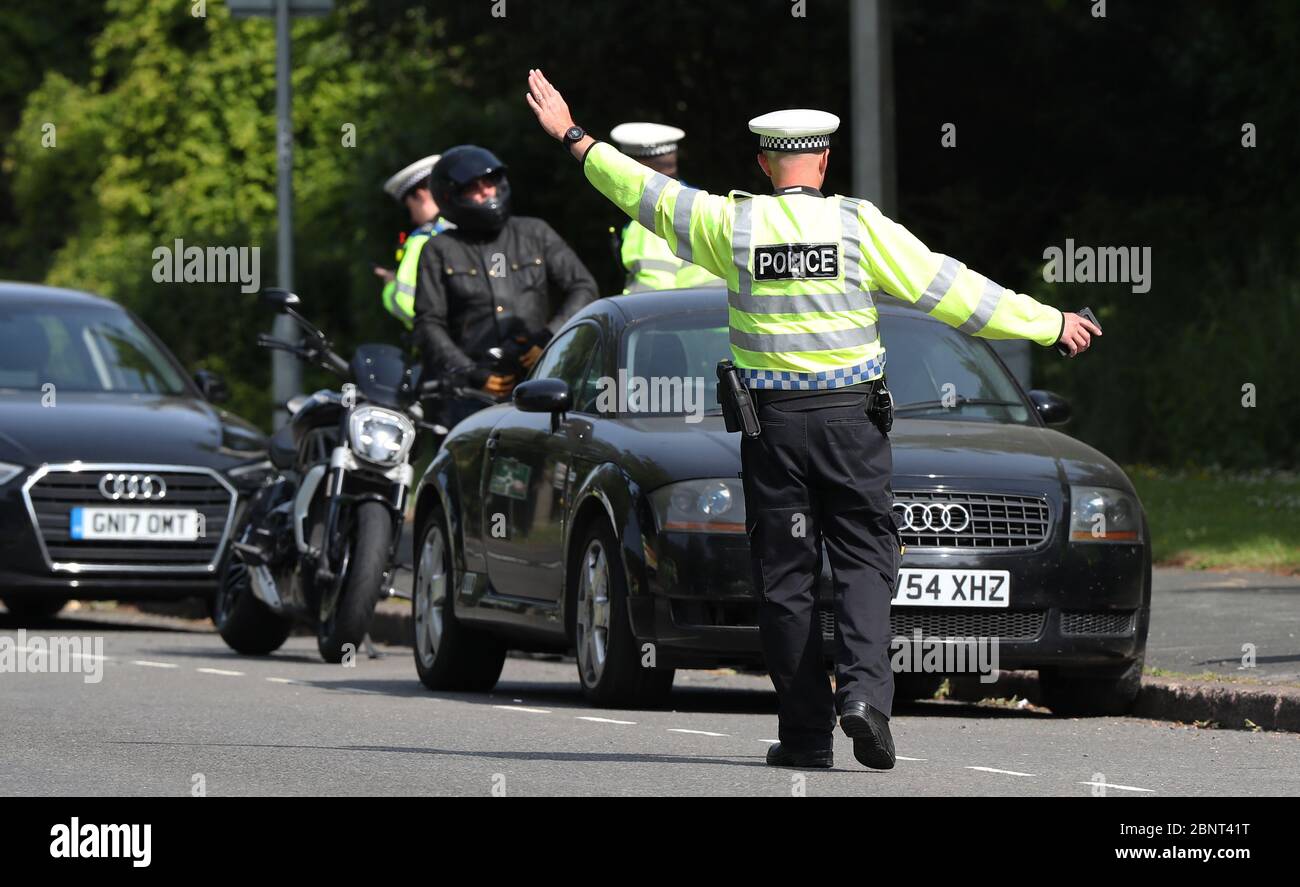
821,476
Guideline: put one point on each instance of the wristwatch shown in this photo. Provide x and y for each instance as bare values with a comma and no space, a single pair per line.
573,135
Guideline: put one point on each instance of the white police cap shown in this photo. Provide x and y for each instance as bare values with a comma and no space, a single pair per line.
646,139
410,176
797,129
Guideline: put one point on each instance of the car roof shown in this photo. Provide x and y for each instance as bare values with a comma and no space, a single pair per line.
18,292
636,306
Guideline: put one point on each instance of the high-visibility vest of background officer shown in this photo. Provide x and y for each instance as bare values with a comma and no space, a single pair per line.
410,187
647,257
803,272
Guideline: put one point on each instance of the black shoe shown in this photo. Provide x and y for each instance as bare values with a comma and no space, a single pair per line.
779,756
869,730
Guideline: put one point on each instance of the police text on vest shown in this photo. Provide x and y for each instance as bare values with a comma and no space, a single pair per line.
797,261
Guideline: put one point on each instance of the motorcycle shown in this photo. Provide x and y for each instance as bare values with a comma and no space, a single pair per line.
318,542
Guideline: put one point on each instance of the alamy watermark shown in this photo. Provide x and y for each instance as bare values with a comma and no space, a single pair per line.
1101,264
657,394
955,655
214,264
53,655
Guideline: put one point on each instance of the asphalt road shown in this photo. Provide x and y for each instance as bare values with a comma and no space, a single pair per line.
173,703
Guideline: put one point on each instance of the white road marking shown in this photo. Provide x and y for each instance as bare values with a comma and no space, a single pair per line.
43,652
283,681
901,758
1126,788
536,711
996,770
221,671
605,720
694,732
150,664
770,741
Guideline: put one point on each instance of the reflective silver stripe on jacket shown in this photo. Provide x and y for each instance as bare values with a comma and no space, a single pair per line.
406,289
654,265
650,199
830,340
851,238
990,296
949,268
741,234
682,223
803,303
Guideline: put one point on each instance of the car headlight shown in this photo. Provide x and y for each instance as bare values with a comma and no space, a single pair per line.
700,506
1102,514
8,472
379,435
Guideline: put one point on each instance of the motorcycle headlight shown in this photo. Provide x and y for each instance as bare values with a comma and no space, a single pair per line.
1102,514
8,472
380,436
700,506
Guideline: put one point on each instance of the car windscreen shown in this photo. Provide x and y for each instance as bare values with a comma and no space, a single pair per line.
934,372
83,348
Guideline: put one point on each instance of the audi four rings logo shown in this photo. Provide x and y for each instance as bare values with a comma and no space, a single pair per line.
132,486
933,516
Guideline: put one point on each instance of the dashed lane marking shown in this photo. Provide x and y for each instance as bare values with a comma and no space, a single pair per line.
221,671
536,711
605,720
695,732
1124,788
148,663
996,770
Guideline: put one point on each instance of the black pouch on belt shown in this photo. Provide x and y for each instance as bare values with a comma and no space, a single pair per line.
880,408
738,410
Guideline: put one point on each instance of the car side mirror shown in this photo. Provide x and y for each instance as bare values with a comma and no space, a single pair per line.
1054,409
279,299
212,385
544,396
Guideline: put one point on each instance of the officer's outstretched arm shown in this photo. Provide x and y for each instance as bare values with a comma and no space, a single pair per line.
905,268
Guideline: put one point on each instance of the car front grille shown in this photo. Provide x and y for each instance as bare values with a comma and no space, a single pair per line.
982,521
1108,622
1017,625
54,491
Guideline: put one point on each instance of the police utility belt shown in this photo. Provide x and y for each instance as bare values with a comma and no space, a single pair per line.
740,405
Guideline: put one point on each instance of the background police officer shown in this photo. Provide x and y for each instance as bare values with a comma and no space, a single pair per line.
410,187
803,333
647,258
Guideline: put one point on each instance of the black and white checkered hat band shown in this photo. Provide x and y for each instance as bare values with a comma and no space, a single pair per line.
649,150
411,181
801,143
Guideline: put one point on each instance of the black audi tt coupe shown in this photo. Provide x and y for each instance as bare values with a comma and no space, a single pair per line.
602,512
118,475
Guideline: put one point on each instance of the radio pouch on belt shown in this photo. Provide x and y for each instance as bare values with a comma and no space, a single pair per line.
738,411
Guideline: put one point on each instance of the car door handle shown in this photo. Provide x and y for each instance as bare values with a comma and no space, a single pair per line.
492,443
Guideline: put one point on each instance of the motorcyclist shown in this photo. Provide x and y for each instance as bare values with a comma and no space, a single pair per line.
492,291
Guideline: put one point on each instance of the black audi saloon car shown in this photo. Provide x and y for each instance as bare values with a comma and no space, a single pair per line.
602,511
118,475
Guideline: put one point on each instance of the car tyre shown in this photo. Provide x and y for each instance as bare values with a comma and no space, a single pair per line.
1093,692
609,659
34,608
448,654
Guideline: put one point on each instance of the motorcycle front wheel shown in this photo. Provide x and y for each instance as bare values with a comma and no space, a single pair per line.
366,562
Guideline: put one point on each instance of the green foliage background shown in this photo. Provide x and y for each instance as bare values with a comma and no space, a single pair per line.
1122,131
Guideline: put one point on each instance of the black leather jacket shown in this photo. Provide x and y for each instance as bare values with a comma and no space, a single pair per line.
466,286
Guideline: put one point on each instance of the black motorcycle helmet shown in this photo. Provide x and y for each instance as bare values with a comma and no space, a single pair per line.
458,167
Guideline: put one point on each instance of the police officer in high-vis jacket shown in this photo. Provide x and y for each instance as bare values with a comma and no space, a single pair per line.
646,257
803,272
410,187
